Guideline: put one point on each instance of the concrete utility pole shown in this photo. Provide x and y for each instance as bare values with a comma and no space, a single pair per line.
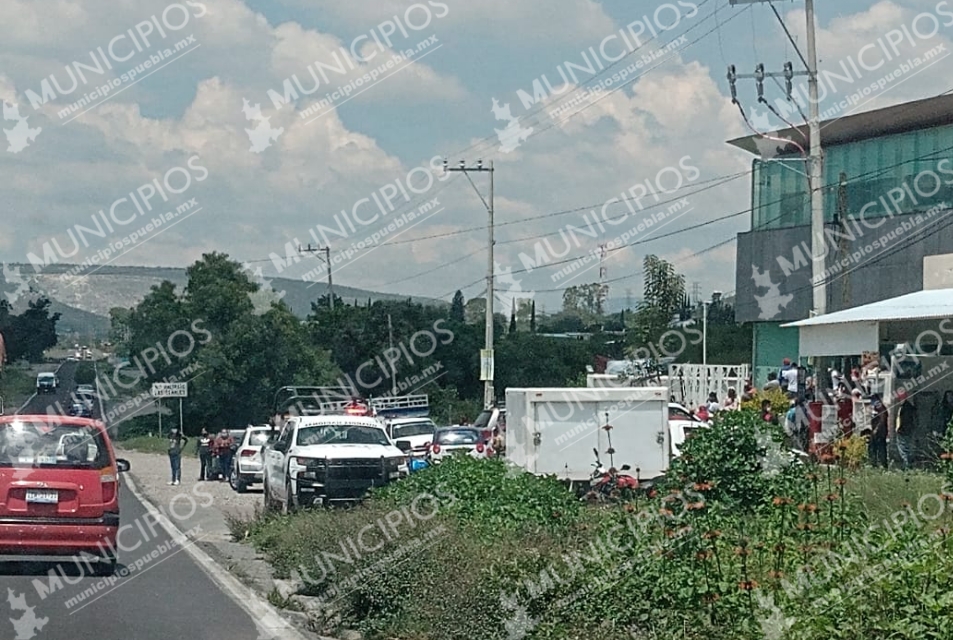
327,261
393,370
816,155
705,333
486,373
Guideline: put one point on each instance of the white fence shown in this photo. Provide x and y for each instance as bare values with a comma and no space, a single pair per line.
691,383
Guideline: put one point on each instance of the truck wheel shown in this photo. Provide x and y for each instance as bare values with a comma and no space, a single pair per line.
289,505
269,506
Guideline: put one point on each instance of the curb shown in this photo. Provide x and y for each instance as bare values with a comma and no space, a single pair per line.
268,622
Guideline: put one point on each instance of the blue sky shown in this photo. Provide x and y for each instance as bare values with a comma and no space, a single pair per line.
256,192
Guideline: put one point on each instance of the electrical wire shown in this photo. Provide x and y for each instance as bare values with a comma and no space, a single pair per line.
532,113
764,224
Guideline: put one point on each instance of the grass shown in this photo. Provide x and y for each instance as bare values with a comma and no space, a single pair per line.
16,385
145,444
883,493
522,546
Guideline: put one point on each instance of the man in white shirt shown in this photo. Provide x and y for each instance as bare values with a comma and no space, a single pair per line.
790,381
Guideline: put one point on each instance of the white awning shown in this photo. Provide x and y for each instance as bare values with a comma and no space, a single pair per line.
919,305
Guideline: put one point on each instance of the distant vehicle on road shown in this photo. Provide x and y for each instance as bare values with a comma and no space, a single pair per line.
81,410
247,463
47,383
62,497
85,390
457,440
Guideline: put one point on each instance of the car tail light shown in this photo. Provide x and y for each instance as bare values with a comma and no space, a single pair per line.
248,453
435,448
480,448
109,481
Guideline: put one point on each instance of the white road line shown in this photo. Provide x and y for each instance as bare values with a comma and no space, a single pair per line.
267,620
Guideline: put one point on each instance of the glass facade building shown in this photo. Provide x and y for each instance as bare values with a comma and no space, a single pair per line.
894,174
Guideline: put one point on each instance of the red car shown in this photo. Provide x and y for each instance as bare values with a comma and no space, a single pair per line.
59,488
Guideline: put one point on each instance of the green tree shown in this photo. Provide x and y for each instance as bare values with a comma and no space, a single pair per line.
236,359
30,333
457,307
662,299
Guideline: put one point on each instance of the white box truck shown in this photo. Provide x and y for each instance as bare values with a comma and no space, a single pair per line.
553,431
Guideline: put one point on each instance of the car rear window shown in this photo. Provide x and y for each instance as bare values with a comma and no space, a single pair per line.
42,444
422,428
458,436
258,438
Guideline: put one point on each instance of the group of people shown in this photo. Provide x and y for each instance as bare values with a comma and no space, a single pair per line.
870,413
215,454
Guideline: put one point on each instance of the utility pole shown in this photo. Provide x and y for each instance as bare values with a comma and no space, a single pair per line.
816,156
327,261
393,371
486,357
705,332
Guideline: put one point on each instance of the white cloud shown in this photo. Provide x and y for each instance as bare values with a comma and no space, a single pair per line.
574,21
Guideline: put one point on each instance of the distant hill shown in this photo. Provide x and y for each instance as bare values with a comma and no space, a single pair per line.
85,301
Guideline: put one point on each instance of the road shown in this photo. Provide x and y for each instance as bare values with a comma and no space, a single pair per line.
164,595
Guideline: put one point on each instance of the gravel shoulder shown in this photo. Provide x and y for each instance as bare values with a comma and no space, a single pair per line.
200,510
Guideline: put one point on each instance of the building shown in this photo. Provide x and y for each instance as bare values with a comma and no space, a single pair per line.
888,180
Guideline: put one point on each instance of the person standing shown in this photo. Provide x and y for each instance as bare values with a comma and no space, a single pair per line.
789,379
204,449
223,446
713,405
177,443
906,428
877,445
766,412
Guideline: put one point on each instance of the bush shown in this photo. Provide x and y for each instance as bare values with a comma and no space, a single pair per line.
735,541
741,456
780,403
489,496
85,373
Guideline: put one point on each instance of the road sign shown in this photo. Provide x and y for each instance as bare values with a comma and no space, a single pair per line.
486,364
170,390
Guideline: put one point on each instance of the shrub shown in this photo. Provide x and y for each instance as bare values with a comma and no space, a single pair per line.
489,496
741,456
779,402
85,373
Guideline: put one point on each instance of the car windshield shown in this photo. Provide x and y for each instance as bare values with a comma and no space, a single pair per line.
258,438
340,434
422,428
483,419
458,436
29,444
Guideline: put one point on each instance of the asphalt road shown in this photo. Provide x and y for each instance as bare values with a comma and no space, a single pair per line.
164,594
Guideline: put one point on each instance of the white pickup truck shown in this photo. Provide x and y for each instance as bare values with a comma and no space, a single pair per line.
328,458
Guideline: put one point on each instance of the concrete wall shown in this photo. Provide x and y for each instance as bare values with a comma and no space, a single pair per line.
773,273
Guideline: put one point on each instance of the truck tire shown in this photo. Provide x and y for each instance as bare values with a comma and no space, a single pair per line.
269,506
289,505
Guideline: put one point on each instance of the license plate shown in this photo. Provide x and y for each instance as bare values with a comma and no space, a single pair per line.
43,497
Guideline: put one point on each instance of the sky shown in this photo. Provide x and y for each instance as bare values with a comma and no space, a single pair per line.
149,133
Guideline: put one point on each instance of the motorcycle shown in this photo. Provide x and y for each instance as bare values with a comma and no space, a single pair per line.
610,483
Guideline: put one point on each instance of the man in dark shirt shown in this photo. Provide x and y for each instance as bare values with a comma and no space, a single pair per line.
877,445
906,428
